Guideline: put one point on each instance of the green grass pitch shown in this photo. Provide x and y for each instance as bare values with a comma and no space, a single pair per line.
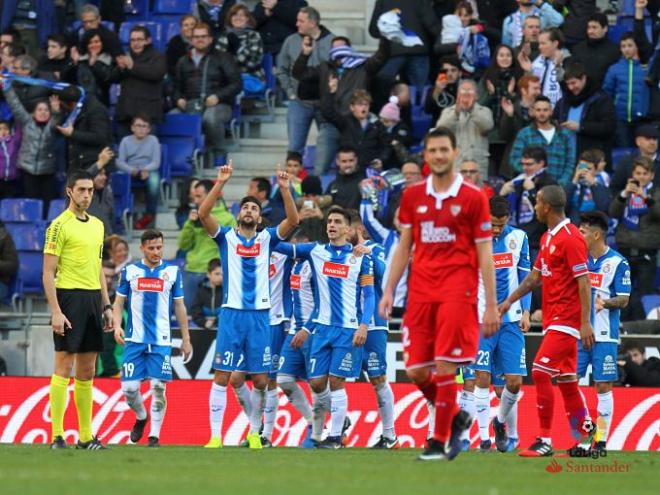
126,470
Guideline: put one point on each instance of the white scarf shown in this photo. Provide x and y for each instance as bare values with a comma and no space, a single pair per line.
549,84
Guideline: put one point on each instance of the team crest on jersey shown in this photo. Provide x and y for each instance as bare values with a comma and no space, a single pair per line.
512,244
455,209
166,277
552,249
335,270
248,251
606,268
352,260
422,209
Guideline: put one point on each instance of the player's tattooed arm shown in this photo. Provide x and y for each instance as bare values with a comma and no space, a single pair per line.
531,282
617,302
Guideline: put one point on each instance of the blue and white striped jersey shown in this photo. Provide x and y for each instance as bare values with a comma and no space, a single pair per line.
302,291
512,265
338,278
380,268
149,294
389,239
280,291
610,277
246,267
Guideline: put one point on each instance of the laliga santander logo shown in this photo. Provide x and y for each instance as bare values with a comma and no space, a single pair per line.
30,422
554,467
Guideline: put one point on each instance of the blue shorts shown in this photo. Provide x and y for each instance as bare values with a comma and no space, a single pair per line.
278,333
294,362
602,357
243,341
146,361
333,353
502,353
375,353
468,374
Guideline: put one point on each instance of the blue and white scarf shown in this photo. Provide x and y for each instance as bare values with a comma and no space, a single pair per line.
347,57
635,208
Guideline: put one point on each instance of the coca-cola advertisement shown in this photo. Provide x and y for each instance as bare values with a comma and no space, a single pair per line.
25,415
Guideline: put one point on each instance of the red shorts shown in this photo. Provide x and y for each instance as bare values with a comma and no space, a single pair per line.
557,355
447,331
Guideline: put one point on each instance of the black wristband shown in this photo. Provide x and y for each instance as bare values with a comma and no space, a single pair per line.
107,307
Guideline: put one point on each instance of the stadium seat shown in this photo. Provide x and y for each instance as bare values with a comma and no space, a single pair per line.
183,155
21,210
155,28
618,153
55,207
267,95
421,123
28,236
123,197
309,155
180,262
172,6
14,293
326,179
30,269
651,304
170,30
136,9
182,124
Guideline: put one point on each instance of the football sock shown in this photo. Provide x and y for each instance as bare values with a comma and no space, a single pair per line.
385,398
445,405
574,405
605,413
507,403
428,389
512,421
431,408
467,403
58,395
270,412
296,396
158,407
133,398
257,404
338,408
320,406
82,395
243,396
545,401
217,406
482,402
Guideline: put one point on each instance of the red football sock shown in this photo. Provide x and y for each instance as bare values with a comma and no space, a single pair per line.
428,388
545,401
445,405
576,409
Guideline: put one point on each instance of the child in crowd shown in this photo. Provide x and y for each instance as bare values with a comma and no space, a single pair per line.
396,134
139,156
208,299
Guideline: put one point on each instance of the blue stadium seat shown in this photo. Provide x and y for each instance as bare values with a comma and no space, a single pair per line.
14,293
172,6
326,179
21,210
651,304
180,262
28,236
30,269
309,154
268,94
55,207
618,153
182,155
165,173
170,30
182,124
123,197
155,28
139,9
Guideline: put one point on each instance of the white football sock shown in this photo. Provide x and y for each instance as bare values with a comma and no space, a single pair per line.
512,422
133,398
257,404
217,406
482,406
507,401
467,403
158,407
605,412
338,409
243,396
431,407
320,406
296,396
270,412
385,398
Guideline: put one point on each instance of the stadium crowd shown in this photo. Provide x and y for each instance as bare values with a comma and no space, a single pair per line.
537,93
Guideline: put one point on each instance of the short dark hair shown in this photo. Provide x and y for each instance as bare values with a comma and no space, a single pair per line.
207,184
598,17
60,39
631,345
555,197
338,210
596,219
294,156
311,185
213,264
143,117
628,35
70,93
643,162
150,235
341,38
5,122
574,70
205,27
499,206
312,14
555,34
593,155
354,216
438,132
250,199
141,29
76,175
542,98
360,95
347,149
536,153
450,60
263,185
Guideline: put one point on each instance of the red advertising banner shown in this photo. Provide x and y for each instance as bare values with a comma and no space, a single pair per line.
25,415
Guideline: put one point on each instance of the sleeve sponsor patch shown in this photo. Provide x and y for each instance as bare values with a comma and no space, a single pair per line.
579,268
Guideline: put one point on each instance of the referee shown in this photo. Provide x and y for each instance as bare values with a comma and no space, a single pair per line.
78,299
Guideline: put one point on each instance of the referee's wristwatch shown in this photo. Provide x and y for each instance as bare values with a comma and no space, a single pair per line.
107,307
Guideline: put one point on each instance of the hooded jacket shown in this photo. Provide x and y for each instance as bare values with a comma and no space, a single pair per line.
625,82
280,24
206,304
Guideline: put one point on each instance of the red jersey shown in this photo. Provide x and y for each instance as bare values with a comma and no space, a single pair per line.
445,229
562,258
